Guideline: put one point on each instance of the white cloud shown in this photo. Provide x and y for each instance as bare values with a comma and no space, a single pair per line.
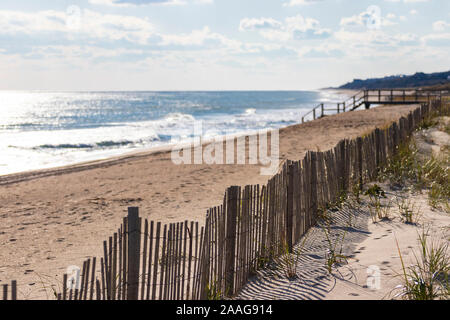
413,12
367,17
375,43
261,23
199,38
85,23
391,16
305,28
293,28
293,3
440,25
129,3
12,22
407,1
437,39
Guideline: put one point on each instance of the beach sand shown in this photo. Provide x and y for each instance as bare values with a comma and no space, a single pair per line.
55,218
373,269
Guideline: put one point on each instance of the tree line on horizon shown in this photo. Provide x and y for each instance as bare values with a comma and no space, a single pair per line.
438,80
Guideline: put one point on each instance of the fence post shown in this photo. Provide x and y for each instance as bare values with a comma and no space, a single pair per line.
359,153
395,137
134,241
313,189
5,292
230,241
377,148
290,206
343,165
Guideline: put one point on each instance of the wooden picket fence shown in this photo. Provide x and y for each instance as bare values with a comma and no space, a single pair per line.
10,292
149,260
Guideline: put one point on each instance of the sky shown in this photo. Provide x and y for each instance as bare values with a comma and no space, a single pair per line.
217,44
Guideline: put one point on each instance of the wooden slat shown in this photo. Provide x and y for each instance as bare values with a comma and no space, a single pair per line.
102,263
64,290
232,198
91,293
183,274
110,269
156,261
105,277
133,253
144,260
86,280
189,275
163,266
5,291
79,296
196,262
150,257
114,268
120,270
167,260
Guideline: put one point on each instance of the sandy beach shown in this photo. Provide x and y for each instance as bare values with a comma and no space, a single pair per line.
55,218
371,249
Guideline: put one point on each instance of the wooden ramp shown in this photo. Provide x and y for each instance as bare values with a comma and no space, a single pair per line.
367,98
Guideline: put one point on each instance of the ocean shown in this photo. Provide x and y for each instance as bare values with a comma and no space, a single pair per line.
49,129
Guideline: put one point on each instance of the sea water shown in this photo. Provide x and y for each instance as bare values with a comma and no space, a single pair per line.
49,129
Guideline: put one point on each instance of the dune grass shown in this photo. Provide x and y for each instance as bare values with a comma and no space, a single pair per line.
407,167
428,277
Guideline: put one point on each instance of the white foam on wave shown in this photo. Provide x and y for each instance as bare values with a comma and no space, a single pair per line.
30,150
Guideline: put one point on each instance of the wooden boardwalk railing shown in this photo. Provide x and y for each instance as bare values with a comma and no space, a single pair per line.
379,96
186,261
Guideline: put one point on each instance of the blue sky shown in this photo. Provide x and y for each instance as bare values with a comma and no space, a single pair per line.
217,44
